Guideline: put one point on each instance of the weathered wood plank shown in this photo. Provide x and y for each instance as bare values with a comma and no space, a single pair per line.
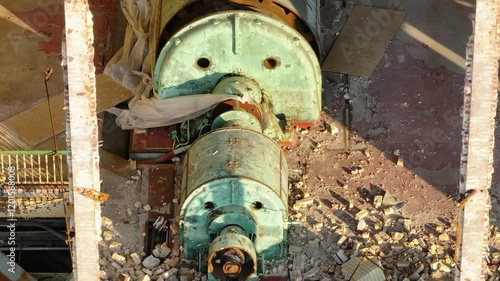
32,127
479,126
83,160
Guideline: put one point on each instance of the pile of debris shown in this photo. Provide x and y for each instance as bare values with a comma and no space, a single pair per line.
119,262
379,245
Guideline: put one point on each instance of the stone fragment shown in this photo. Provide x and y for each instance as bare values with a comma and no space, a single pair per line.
390,201
174,228
384,235
106,221
299,262
313,243
361,214
389,211
311,273
444,268
108,235
124,277
403,264
147,271
146,208
171,262
444,237
378,239
116,266
115,246
341,240
119,258
422,243
361,225
294,249
296,275
135,257
340,257
137,205
396,236
377,201
150,262
158,271
304,202
103,262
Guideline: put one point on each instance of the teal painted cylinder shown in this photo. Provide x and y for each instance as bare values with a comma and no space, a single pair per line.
234,176
224,44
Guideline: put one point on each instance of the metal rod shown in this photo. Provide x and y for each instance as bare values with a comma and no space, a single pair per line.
34,152
17,167
24,167
37,224
54,171
1,159
46,168
32,169
47,75
61,171
39,170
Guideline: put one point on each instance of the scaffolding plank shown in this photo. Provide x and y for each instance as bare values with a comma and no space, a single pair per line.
480,105
83,159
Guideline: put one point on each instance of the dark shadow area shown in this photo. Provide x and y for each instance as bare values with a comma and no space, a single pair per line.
35,238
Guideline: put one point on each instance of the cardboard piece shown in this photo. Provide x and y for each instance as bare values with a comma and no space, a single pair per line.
32,126
363,41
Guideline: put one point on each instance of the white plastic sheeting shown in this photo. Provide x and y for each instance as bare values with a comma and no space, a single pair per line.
152,112
131,68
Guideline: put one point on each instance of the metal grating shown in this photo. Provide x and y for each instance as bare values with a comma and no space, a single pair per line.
35,167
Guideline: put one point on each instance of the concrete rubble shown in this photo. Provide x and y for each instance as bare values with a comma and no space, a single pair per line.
377,242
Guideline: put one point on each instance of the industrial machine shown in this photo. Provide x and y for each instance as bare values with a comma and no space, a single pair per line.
234,196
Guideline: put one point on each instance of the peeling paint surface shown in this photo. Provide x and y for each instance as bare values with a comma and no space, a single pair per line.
33,33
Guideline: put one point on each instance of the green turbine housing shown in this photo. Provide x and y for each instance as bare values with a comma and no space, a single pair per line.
235,176
248,44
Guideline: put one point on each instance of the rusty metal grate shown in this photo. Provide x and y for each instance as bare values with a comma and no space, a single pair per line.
35,167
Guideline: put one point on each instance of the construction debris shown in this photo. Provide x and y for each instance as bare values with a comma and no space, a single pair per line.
363,269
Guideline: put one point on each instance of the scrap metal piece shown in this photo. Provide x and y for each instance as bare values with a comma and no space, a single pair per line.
94,195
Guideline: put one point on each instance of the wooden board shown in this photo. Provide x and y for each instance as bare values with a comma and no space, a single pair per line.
480,107
32,126
83,142
363,41
161,191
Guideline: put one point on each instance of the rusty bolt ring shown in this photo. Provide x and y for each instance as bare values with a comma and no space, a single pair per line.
231,268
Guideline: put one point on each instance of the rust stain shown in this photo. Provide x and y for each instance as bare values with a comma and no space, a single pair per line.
48,21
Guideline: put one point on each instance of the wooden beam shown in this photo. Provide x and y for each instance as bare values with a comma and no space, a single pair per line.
83,158
480,105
